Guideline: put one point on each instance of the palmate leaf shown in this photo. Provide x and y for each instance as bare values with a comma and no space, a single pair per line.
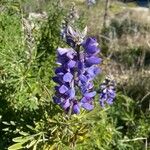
26,141
22,140
31,128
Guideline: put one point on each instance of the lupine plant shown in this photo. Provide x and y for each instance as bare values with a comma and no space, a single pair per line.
34,115
78,67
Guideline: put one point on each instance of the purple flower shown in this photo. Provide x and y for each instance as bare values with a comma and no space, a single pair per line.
67,77
76,108
71,93
93,60
78,66
93,71
90,46
66,104
107,92
63,89
71,64
71,36
87,106
90,95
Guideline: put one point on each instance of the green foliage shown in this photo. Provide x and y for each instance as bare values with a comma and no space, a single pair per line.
80,23
28,117
119,127
25,70
128,114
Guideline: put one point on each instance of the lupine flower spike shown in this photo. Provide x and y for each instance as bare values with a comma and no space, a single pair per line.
78,67
107,92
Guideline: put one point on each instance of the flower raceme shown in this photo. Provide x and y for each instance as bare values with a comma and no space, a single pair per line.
107,92
78,66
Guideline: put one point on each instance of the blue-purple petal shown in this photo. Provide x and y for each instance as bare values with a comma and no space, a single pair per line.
71,54
66,104
76,109
93,60
87,106
84,100
90,45
62,51
63,89
83,79
68,77
90,94
71,93
71,64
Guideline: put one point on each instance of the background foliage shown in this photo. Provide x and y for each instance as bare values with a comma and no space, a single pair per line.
28,117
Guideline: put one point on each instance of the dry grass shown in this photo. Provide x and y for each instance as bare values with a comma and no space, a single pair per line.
128,50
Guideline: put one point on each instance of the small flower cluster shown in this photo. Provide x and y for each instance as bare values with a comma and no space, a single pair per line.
107,92
65,74
87,70
90,2
78,67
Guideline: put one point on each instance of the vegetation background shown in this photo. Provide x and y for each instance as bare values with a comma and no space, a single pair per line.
29,36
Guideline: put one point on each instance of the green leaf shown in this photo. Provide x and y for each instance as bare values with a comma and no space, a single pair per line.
31,144
35,146
30,127
22,139
53,146
5,129
6,123
16,146
12,123
24,133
